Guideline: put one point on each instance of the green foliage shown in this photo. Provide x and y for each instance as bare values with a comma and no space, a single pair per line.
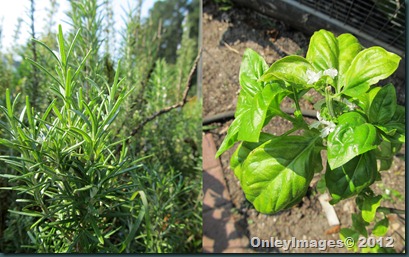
261,172
67,166
77,179
359,123
224,5
168,17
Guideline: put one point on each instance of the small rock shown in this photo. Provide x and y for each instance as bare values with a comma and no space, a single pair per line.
348,207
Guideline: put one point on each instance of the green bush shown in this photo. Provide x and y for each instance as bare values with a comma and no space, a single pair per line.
79,177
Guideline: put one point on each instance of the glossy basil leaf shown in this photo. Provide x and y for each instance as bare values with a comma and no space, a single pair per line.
231,137
381,227
385,164
345,233
393,132
352,177
323,50
399,115
276,175
243,151
349,47
352,136
326,51
383,105
365,99
385,152
396,125
359,224
367,68
264,101
387,130
252,68
292,69
369,207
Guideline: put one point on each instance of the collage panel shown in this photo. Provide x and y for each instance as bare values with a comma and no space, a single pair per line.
304,126
100,126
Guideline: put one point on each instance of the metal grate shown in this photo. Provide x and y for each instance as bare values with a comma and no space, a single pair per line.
383,20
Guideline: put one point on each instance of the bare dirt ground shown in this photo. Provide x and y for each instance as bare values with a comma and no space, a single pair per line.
226,34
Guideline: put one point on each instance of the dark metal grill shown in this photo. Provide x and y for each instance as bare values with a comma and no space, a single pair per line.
383,20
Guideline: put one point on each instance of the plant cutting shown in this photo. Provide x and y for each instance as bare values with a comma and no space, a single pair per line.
360,126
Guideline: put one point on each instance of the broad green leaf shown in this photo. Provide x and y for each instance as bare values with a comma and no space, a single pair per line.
350,238
352,177
395,125
369,207
388,130
383,106
252,68
231,138
394,132
385,152
349,47
351,137
365,99
243,151
276,175
359,224
292,69
399,115
323,50
368,67
326,52
381,227
268,99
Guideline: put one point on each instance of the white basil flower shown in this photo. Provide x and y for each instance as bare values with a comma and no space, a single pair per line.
313,76
326,130
328,126
331,72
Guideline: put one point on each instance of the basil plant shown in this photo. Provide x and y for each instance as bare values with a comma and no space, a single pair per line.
358,122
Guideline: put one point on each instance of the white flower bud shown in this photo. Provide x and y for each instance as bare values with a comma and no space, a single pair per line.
331,72
313,76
